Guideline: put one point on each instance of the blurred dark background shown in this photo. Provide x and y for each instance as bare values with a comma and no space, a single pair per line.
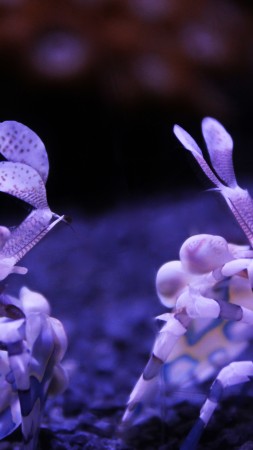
103,81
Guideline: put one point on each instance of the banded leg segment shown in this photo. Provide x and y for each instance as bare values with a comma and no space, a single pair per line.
237,313
175,327
235,373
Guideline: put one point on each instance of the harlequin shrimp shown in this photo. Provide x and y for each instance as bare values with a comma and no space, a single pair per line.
32,343
208,293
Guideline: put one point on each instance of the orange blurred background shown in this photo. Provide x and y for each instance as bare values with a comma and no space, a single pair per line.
103,81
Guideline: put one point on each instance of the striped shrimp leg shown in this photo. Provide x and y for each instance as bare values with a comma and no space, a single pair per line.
235,373
175,326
